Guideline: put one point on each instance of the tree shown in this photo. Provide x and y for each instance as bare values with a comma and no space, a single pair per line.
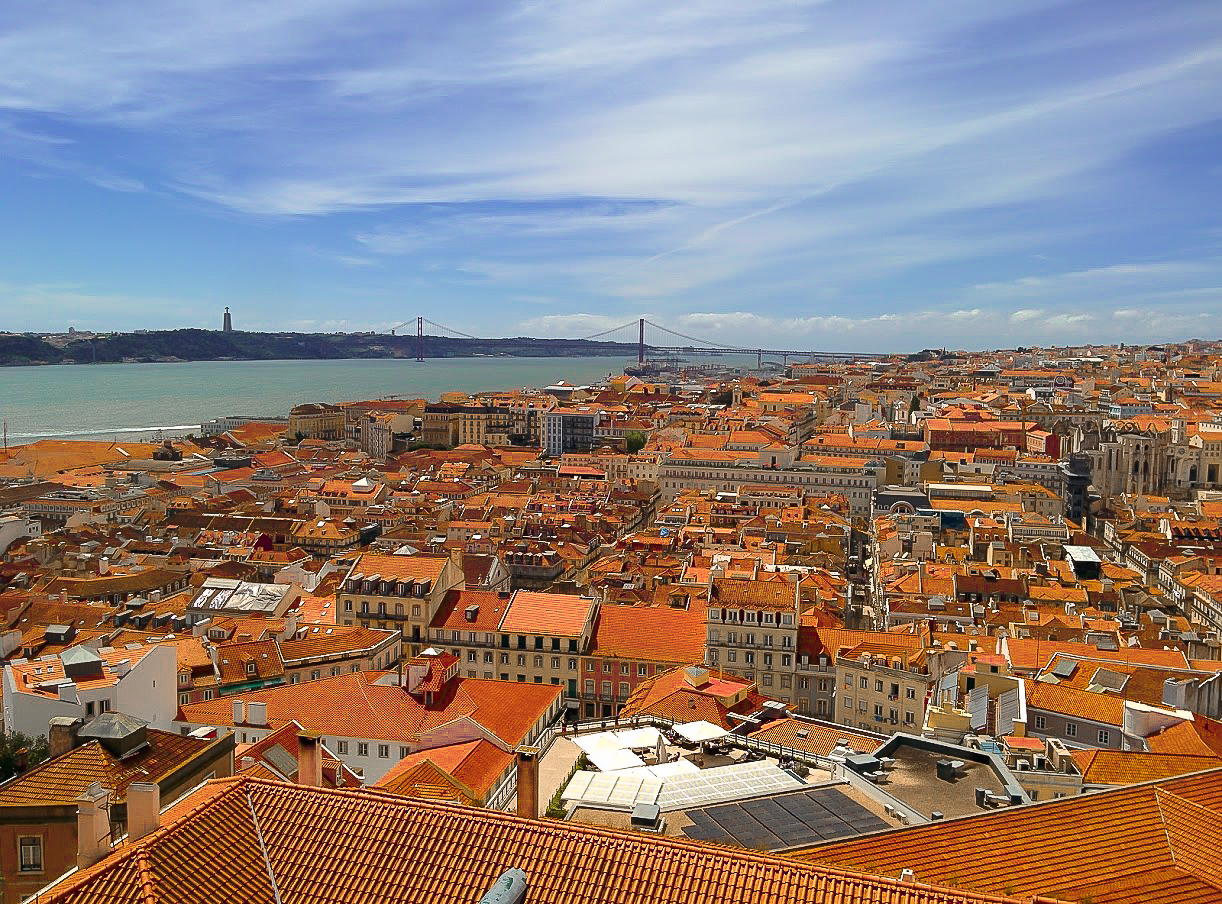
13,741
634,441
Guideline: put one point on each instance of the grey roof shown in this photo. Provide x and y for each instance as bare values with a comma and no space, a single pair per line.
79,656
111,725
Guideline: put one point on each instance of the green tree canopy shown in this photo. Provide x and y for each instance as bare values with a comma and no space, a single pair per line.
13,741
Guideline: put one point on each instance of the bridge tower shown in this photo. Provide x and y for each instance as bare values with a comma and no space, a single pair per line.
420,338
640,346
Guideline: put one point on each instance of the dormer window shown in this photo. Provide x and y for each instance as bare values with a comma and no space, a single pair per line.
250,668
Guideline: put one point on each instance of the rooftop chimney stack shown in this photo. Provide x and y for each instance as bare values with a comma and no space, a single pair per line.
528,782
143,809
62,733
309,759
92,826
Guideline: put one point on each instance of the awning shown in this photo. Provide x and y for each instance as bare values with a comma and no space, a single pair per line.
615,760
637,738
597,743
701,731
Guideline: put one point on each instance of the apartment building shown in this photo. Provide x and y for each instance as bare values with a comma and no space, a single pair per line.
81,683
317,420
881,692
528,637
569,430
397,592
751,630
854,478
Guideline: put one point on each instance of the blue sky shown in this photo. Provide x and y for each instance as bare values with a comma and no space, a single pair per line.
834,175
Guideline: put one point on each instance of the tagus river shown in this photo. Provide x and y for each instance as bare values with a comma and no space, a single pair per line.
134,401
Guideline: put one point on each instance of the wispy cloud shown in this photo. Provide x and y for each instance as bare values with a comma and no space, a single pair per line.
788,156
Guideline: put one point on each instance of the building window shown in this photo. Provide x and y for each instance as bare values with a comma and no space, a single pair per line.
1105,737
343,747
910,693
606,668
403,753
30,847
1040,723
384,751
362,749
556,662
1071,729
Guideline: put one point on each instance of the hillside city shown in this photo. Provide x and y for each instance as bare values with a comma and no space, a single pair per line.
919,629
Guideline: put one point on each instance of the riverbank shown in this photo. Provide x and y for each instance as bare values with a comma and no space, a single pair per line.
117,402
177,346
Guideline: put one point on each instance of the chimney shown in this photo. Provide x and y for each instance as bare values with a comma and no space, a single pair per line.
62,733
239,712
23,759
92,826
309,758
143,809
528,782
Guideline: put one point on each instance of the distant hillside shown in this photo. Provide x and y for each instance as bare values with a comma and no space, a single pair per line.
211,345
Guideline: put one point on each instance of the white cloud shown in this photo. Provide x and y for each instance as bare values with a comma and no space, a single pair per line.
763,156
1025,315
574,326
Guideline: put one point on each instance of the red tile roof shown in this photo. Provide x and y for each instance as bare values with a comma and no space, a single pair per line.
61,780
1154,843
354,705
551,614
650,633
262,842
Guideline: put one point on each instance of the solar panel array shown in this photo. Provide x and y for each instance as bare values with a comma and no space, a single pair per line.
785,821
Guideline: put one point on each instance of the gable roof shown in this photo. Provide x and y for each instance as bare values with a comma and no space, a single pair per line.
263,842
359,705
1140,844
61,780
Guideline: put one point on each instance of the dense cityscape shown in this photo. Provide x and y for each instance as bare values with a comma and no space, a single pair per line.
937,627
611,452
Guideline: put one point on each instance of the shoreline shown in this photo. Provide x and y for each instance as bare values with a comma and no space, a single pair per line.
477,355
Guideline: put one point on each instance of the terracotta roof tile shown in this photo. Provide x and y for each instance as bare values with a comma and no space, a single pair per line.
354,705
62,779
333,846
1133,844
552,614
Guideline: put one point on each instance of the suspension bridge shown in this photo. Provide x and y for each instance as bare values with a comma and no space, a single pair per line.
633,334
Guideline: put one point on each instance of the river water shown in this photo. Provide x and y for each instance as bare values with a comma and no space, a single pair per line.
134,401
